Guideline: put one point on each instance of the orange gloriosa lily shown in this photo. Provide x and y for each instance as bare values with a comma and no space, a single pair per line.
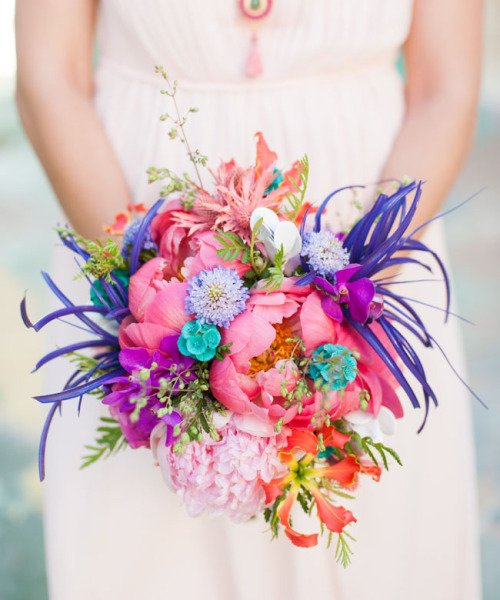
299,457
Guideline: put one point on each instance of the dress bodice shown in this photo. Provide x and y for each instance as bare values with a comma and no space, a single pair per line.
207,41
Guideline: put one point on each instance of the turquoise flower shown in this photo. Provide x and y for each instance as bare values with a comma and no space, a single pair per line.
97,290
199,340
332,367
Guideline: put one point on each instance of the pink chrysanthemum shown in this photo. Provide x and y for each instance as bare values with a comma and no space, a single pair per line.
222,477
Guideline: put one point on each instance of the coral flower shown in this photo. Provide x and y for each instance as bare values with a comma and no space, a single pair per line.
299,457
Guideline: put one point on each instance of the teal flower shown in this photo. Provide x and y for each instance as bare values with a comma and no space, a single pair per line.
277,181
199,340
332,367
97,290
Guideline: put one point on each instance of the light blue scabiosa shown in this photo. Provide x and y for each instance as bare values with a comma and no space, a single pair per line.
333,366
199,340
324,253
216,296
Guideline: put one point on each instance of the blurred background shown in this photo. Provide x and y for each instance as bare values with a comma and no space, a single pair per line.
28,206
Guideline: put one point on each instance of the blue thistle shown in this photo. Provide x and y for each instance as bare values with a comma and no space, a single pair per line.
216,296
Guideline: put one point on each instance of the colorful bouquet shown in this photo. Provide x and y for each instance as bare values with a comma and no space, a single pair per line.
255,349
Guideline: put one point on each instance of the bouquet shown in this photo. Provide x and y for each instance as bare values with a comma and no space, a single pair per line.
252,346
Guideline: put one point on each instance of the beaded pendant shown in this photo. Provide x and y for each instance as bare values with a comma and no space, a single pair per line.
254,10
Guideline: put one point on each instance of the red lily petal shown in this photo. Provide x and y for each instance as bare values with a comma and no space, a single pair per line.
119,224
302,540
345,471
306,207
272,489
372,470
265,157
303,440
333,437
284,510
334,517
140,207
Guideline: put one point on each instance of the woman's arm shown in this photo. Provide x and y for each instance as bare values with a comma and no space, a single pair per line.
443,56
54,97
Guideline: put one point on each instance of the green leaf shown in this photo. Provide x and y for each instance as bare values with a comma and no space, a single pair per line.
294,201
275,274
343,552
232,247
109,441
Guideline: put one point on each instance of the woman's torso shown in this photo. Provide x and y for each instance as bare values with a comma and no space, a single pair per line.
329,86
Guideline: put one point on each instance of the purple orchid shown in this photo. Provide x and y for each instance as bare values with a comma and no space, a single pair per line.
142,383
358,295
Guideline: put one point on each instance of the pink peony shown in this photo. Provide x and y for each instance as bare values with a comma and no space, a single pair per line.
205,256
241,381
220,477
373,375
254,379
157,307
175,231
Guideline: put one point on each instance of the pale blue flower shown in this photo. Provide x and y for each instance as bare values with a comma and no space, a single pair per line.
216,296
324,253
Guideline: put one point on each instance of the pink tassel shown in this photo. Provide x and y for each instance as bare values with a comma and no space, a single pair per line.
253,67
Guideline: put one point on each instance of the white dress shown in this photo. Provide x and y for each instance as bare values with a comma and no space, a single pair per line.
329,88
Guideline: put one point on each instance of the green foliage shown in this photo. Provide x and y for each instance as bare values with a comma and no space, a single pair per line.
275,274
271,515
294,200
223,351
233,247
181,184
305,500
109,441
343,552
372,449
104,258
177,123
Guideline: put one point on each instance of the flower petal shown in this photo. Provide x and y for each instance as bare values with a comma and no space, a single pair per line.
344,472
287,235
302,439
361,293
284,510
334,517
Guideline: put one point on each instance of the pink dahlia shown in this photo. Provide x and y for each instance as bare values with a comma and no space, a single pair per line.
221,477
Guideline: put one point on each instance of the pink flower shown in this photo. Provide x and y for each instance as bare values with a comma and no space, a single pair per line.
249,380
238,192
157,307
373,375
205,256
145,284
279,304
175,231
220,477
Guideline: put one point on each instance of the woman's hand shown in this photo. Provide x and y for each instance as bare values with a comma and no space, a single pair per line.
443,63
55,40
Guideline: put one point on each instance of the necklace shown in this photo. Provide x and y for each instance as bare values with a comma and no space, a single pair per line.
254,10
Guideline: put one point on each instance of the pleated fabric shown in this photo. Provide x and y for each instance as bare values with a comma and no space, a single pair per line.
329,89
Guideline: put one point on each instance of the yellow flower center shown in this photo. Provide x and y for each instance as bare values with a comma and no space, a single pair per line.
282,348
